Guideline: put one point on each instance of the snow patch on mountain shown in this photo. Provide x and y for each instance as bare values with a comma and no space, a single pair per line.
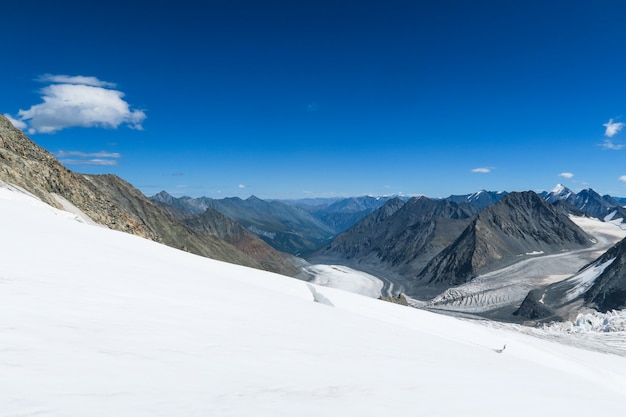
585,279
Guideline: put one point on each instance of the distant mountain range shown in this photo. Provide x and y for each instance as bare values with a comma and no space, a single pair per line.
588,202
419,246
293,227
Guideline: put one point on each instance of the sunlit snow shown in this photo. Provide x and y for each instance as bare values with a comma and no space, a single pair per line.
95,323
345,278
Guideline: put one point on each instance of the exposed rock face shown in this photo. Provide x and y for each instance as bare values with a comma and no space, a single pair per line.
567,208
402,237
31,167
608,291
532,308
108,200
520,224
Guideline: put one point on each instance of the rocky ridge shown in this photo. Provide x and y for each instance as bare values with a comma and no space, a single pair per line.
109,201
521,224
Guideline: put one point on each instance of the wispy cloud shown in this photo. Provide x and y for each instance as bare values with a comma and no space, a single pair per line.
482,170
74,79
78,101
94,161
242,186
622,178
88,158
612,128
567,175
101,154
608,144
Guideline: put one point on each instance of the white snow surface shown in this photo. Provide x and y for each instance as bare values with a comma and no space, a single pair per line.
95,322
345,278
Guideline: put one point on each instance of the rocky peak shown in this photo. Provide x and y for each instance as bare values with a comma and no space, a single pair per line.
518,225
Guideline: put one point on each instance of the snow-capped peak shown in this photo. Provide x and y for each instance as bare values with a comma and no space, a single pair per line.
558,189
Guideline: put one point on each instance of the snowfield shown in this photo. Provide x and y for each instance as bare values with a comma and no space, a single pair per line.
344,278
95,322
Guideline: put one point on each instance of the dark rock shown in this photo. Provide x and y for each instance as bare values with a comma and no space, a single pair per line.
519,224
532,308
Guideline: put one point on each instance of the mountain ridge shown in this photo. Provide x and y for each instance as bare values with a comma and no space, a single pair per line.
107,200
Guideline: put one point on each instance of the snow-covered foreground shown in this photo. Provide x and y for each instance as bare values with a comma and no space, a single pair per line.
100,323
345,278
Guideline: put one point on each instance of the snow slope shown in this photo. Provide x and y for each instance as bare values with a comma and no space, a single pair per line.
344,278
95,322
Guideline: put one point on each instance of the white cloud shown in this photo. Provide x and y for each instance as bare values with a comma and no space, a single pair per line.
608,144
78,101
94,161
16,123
566,175
483,170
622,178
242,186
74,79
612,128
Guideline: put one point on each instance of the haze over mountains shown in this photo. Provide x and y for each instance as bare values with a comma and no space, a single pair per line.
291,227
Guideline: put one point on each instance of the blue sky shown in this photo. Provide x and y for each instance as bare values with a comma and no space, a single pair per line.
293,99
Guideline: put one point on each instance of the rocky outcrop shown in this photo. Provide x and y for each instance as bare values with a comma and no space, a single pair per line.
31,167
608,291
533,308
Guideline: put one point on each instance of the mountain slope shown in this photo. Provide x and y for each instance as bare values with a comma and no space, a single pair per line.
106,199
286,228
214,242
121,326
520,224
608,291
400,237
